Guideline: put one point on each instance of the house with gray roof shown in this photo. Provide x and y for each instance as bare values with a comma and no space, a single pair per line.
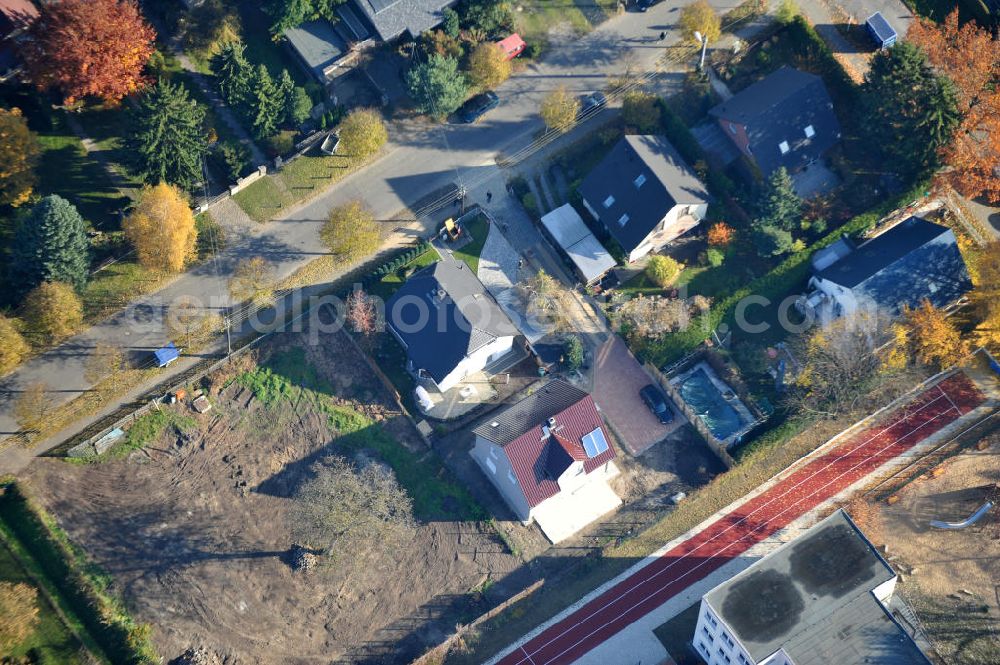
448,323
644,194
550,458
321,49
392,18
825,597
785,119
913,261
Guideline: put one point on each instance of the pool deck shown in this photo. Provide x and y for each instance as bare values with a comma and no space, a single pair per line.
746,418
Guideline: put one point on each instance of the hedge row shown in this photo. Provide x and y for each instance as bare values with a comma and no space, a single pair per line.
808,42
394,264
105,619
773,285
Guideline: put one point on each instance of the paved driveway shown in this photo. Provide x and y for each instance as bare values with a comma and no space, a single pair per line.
618,376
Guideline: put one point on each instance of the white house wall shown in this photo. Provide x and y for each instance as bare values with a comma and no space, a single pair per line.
479,359
494,462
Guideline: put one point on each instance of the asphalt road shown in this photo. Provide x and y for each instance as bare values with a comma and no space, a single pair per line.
422,157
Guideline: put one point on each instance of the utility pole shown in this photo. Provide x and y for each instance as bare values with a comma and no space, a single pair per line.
704,47
229,340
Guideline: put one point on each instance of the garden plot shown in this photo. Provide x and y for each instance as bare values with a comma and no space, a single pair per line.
196,526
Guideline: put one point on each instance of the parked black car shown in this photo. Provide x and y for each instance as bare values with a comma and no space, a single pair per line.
657,403
478,106
592,101
643,5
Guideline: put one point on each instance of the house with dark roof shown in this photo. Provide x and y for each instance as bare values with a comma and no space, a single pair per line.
321,49
644,194
392,18
785,119
825,597
16,16
904,265
448,323
550,458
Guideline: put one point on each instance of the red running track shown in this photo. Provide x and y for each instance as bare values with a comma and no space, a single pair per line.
758,518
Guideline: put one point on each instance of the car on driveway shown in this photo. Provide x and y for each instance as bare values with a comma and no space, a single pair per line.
644,5
657,403
478,106
594,100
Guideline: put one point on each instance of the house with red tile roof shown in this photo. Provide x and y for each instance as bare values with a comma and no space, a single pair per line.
550,457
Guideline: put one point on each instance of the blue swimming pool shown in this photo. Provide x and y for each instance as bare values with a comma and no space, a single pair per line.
705,399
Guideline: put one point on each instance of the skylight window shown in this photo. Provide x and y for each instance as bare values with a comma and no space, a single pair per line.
810,132
623,220
783,147
608,202
639,180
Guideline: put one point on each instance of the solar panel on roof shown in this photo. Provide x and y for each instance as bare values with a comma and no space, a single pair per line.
594,443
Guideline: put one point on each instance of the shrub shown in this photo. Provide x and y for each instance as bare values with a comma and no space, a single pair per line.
663,270
573,352
234,158
281,143
714,257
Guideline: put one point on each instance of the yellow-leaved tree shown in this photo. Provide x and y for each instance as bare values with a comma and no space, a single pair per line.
985,297
53,311
559,109
699,16
488,65
13,348
350,232
362,133
19,153
932,336
161,228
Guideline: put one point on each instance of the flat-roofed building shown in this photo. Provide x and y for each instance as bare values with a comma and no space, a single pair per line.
822,598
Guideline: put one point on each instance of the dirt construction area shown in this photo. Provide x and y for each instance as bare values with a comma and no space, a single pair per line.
952,576
196,526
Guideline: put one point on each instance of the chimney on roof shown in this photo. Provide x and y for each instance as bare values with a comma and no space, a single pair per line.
552,422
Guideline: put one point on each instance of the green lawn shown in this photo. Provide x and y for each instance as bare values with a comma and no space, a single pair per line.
699,280
298,180
478,228
52,641
538,17
288,377
117,285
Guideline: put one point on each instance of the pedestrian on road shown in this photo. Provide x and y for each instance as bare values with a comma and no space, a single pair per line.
663,36
489,196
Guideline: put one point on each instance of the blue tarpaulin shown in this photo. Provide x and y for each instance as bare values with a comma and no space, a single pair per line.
166,355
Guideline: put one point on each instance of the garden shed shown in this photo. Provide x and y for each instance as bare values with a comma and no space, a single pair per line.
880,30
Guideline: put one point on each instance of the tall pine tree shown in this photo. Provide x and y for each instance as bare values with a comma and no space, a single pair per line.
778,205
50,245
909,111
234,74
267,104
167,139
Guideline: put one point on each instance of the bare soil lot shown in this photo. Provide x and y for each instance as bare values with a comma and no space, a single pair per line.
195,527
952,577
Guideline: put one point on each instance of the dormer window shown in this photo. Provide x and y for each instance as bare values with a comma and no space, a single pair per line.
639,180
623,220
783,147
810,132
608,202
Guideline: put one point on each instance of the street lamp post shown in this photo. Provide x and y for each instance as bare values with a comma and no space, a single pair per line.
704,47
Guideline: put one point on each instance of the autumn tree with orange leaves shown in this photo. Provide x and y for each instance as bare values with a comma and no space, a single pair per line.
89,48
970,56
720,234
